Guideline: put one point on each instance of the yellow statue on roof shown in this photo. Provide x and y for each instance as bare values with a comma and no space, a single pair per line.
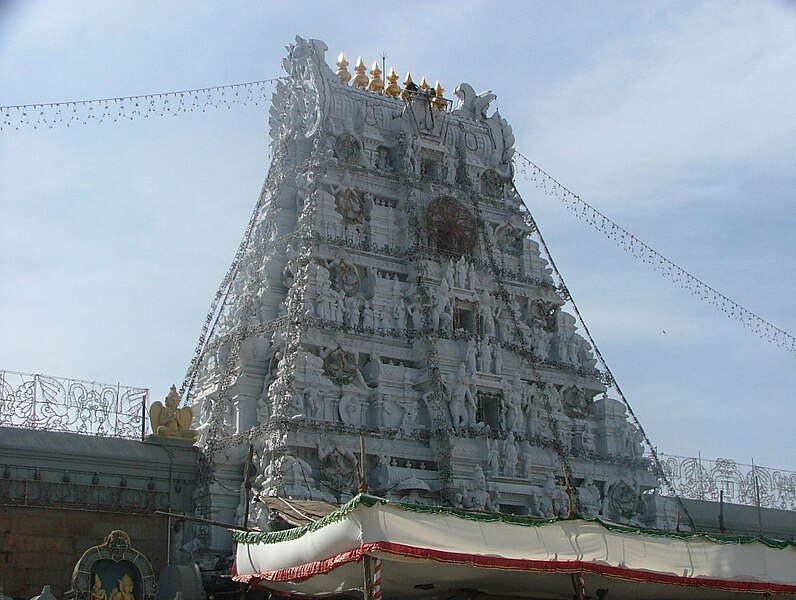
168,420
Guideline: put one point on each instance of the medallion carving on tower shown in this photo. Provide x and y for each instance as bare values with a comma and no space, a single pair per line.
576,403
338,471
340,366
345,278
491,183
451,227
347,148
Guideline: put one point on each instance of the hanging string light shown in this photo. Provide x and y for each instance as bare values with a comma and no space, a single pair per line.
639,250
82,112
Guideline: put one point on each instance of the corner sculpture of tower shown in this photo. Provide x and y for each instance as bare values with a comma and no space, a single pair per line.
389,288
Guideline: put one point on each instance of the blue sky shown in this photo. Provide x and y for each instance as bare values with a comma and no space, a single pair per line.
675,119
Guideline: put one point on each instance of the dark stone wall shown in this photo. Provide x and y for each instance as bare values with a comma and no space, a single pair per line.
40,546
62,493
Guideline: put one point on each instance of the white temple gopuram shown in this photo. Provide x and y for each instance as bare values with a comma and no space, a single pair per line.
390,294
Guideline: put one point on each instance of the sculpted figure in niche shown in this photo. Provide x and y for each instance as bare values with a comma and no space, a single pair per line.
535,502
352,311
633,443
479,496
485,355
350,410
449,275
441,317
510,456
493,502
399,313
323,299
527,462
530,414
461,273
413,308
461,398
561,500
547,495
497,359
502,320
512,409
371,372
470,357
409,419
97,593
124,591
444,290
492,458
472,408
487,317
367,316
168,420
450,168
587,438
312,401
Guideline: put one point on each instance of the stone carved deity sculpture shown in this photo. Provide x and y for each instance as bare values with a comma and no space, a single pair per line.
470,357
399,314
461,273
510,456
512,407
461,399
492,459
484,355
497,359
479,495
168,420
449,276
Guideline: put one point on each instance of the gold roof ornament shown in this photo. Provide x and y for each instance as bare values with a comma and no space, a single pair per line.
408,83
393,89
361,78
439,100
424,84
343,74
376,84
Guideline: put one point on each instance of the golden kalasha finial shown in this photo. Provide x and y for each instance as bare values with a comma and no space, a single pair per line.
342,69
423,84
439,100
408,83
361,77
376,84
393,89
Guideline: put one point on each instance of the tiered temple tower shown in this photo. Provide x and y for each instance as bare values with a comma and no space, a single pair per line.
390,288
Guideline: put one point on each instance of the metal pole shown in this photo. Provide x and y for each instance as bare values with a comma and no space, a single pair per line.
367,568
247,485
118,407
143,415
363,484
757,498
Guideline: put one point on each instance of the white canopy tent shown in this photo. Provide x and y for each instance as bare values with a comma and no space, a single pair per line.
431,552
